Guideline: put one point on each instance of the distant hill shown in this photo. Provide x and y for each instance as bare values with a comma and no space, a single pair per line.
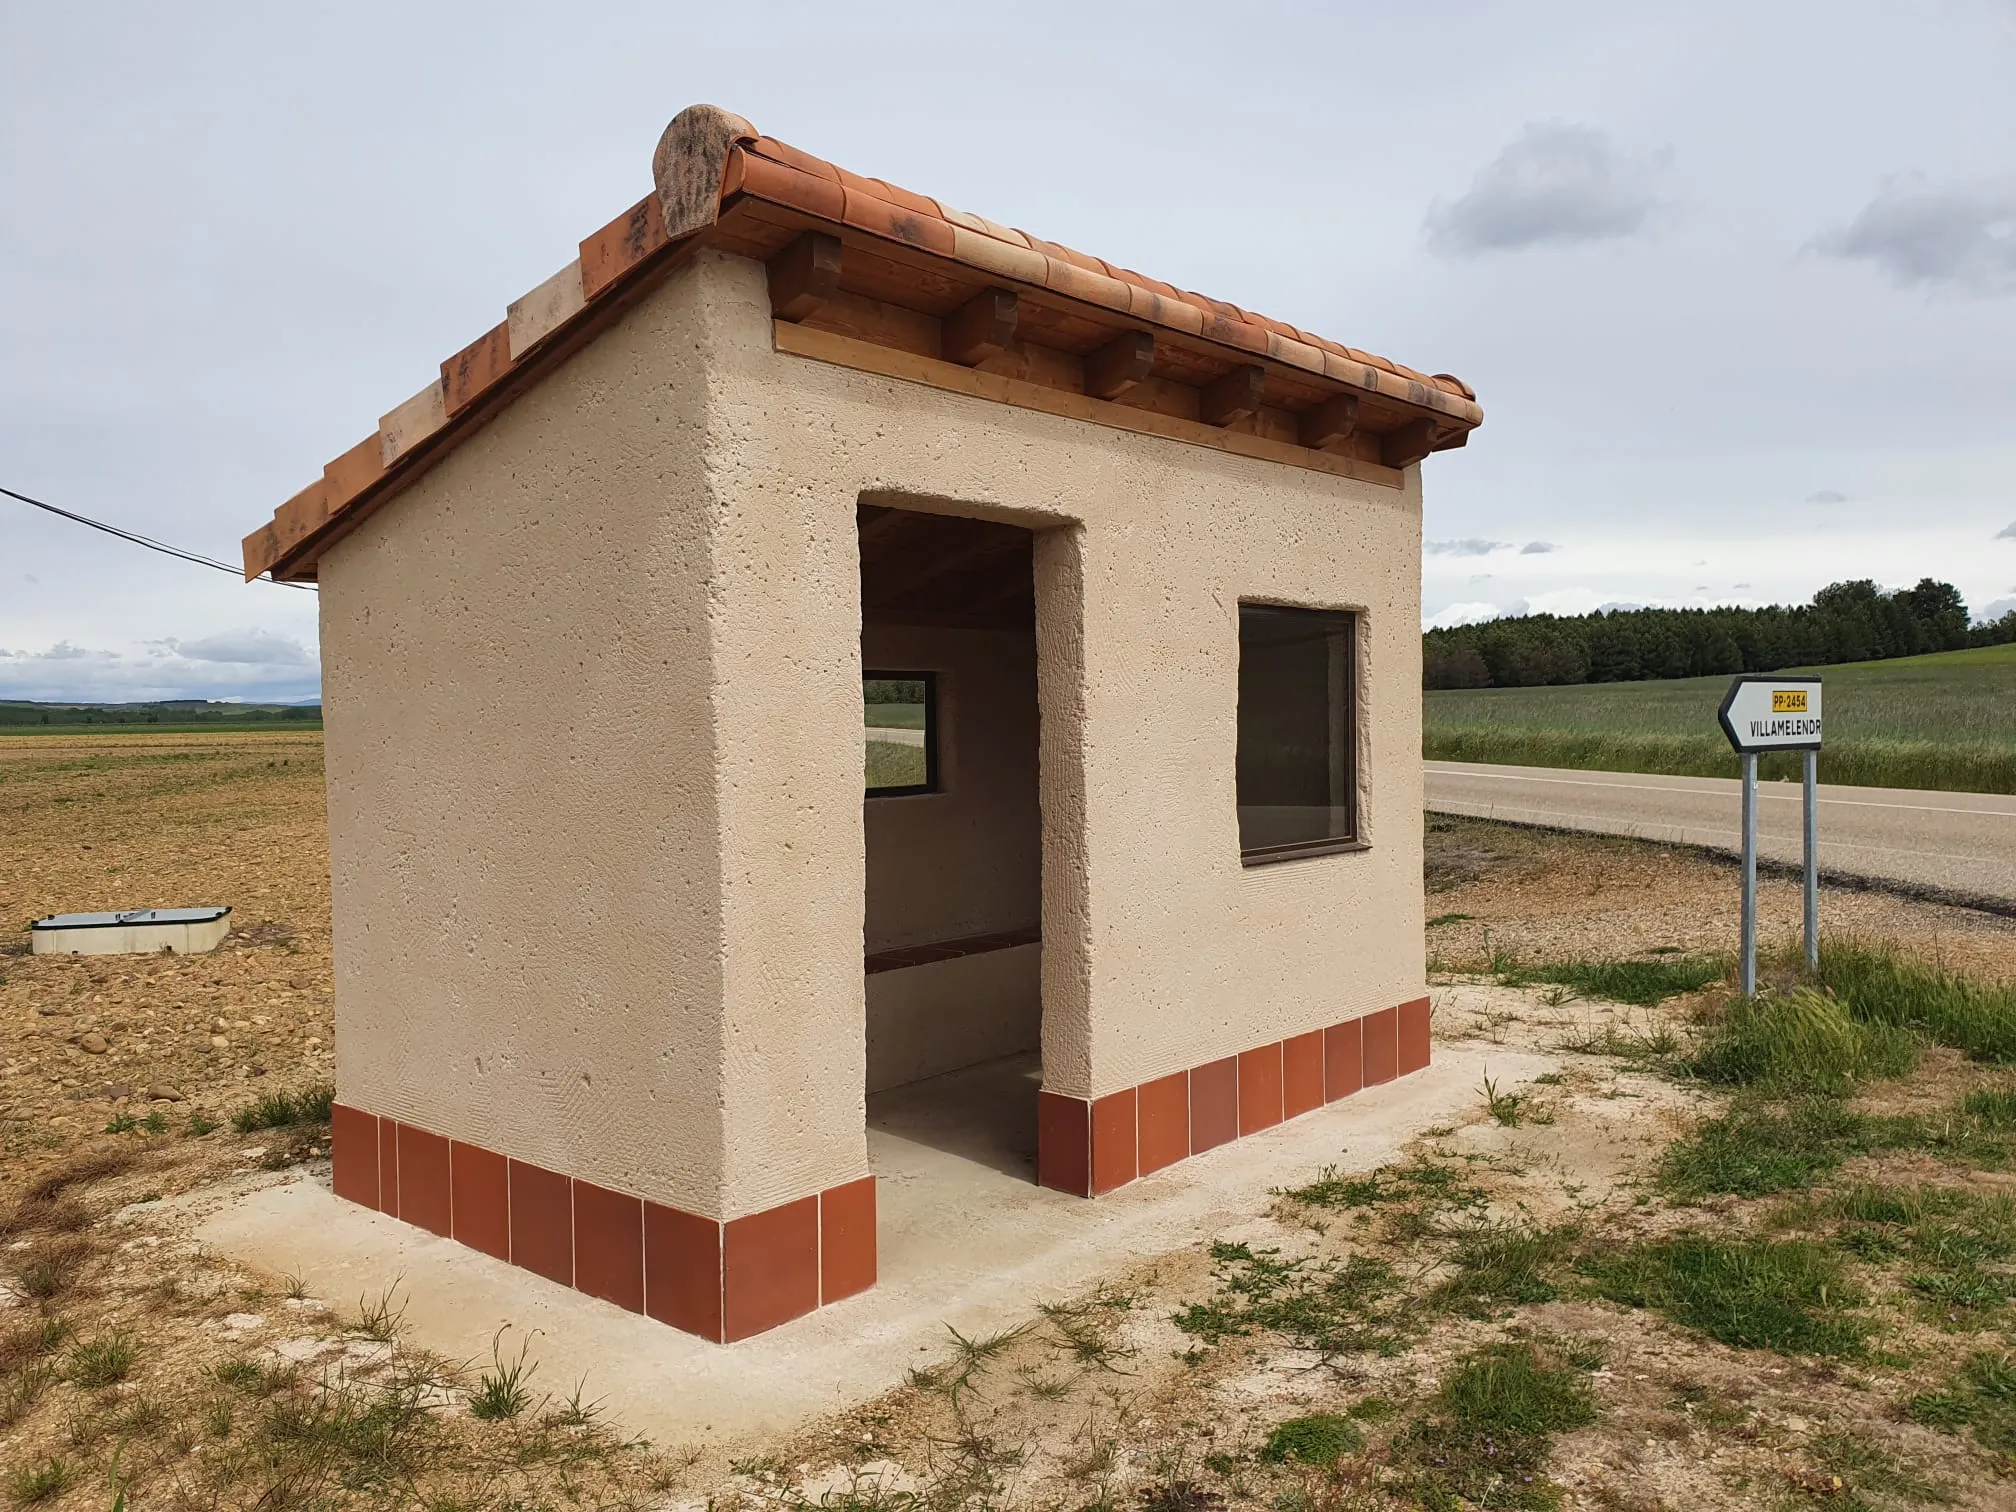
24,717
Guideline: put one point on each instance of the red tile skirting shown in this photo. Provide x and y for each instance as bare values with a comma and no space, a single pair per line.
1086,1148
720,1280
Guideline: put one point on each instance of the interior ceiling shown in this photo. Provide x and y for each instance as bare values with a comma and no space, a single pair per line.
932,569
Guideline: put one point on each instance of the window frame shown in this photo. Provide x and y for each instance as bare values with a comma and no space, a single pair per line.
931,772
1352,622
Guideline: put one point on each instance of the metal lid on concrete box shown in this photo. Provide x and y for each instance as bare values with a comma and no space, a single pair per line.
130,918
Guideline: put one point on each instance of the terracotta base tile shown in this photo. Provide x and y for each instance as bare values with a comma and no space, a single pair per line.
846,1239
388,1166
542,1222
353,1150
423,1180
682,1270
1259,1088
1214,1104
1064,1143
1381,1046
609,1245
1343,1059
479,1184
1412,1036
770,1268
1162,1114
1301,1074
1113,1147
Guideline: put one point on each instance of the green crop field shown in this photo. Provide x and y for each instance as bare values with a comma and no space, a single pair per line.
1946,721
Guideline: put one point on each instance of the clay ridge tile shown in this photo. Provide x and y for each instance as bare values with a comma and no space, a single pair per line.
791,157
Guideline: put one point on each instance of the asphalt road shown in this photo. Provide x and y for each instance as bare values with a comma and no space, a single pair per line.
1952,844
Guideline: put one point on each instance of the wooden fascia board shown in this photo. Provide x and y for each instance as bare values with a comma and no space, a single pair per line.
1041,295
890,362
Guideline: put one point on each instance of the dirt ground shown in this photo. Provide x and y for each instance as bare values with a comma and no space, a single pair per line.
130,1358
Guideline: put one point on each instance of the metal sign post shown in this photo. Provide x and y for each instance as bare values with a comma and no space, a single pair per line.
1763,712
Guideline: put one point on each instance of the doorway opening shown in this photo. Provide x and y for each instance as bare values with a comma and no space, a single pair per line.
953,834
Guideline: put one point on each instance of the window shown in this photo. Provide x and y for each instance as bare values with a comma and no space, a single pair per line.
1297,763
900,716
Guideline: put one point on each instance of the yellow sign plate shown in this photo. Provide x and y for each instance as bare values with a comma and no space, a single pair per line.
1788,701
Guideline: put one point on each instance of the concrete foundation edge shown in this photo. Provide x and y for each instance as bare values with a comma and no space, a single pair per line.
723,1280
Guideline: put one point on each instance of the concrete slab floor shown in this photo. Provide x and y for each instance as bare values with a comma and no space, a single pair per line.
966,1239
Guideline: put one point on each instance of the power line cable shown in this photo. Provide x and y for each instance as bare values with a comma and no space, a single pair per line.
150,543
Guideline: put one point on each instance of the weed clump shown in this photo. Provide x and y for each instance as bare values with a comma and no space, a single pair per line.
1643,984
1320,1439
1330,1308
1490,1427
285,1110
1756,1149
1881,985
1790,1295
1803,1042
1981,1396
1505,1264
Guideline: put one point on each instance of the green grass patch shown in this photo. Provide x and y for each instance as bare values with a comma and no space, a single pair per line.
1642,983
1505,1265
1320,1439
1803,1041
886,764
1332,1307
284,1110
1433,1186
1881,985
32,1484
1980,1396
1757,1148
1945,721
1790,1295
1485,1439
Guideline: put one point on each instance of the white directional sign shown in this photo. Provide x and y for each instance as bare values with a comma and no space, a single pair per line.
1762,712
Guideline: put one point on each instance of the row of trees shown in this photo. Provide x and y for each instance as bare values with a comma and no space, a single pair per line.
1846,622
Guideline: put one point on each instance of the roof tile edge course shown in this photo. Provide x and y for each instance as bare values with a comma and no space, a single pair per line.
705,157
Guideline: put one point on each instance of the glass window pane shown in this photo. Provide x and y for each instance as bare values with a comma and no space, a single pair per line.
900,735
1296,783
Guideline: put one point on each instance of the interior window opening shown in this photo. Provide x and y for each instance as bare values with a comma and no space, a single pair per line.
1297,743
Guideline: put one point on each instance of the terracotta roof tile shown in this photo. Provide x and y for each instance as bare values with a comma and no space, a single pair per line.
815,194
621,245
706,159
476,367
791,157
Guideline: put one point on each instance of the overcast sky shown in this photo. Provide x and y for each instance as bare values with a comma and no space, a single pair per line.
1736,283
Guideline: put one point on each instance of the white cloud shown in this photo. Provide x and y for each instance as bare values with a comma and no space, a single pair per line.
1827,496
1946,238
1538,548
1469,546
1557,183
1988,613
248,647
255,665
2007,532
1466,614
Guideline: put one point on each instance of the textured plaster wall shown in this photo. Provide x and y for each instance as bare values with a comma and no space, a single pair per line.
1148,547
593,710
964,860
528,787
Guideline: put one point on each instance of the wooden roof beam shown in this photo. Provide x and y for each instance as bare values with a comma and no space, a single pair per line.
1407,443
1232,397
1329,424
1120,364
983,327
804,275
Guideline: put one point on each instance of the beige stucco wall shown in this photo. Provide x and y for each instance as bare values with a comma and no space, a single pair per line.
593,709
1149,547
964,860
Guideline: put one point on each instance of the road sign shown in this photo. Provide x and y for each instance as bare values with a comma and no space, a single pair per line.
1772,713
1767,712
